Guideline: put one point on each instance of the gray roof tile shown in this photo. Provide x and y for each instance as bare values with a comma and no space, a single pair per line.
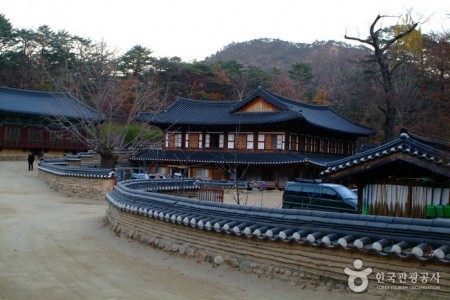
46,104
199,112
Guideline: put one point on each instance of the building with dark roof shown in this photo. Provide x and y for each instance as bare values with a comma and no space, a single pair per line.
262,137
408,177
28,121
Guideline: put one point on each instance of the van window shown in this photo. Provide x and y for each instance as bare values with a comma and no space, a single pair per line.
308,190
294,188
329,193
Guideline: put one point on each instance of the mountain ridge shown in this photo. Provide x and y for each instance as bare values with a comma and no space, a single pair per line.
268,53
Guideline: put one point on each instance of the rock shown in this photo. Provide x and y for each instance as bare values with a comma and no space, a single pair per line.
191,252
218,260
232,262
267,268
201,256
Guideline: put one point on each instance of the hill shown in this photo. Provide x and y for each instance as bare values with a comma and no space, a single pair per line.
274,53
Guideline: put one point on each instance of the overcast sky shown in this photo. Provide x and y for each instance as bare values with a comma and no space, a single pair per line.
195,29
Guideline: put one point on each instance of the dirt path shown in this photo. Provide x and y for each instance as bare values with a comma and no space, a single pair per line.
54,247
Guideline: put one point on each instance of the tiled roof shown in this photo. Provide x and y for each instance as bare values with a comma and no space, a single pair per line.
45,104
59,167
251,158
425,240
436,152
199,112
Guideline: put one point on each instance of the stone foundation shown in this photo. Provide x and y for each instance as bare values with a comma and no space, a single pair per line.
92,188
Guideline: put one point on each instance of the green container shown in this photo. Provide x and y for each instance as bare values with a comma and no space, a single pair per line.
447,211
431,211
364,211
439,211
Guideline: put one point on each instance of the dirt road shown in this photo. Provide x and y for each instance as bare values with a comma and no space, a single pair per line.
54,247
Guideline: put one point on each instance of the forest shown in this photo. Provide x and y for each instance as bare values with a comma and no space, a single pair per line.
346,77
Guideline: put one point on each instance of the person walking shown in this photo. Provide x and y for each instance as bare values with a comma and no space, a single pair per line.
30,161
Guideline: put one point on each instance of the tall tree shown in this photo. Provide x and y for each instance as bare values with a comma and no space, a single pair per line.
136,61
381,40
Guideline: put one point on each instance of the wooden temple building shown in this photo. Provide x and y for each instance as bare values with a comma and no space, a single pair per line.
406,177
262,137
28,122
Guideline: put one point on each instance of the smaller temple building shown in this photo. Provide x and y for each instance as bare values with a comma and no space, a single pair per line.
406,177
263,137
31,121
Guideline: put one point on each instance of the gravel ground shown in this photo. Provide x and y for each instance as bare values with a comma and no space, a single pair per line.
55,247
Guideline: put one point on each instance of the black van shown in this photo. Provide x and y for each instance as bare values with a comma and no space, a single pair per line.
313,195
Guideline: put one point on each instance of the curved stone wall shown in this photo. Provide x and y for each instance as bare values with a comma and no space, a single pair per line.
94,184
301,246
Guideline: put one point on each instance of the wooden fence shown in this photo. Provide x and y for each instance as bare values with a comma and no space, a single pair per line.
211,194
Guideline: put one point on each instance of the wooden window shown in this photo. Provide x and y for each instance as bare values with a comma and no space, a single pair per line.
351,148
308,144
249,141
325,148
293,142
200,141
215,140
202,172
241,141
178,140
221,141
301,145
230,142
207,140
166,140
261,141
186,141
193,140
279,141
35,134
317,144
333,146
12,133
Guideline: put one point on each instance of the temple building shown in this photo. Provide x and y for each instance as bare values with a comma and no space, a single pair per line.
406,177
30,121
262,137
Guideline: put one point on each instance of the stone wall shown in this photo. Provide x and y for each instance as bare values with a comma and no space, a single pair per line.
301,264
72,186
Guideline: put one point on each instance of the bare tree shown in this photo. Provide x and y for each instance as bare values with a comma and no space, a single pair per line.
119,100
381,43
